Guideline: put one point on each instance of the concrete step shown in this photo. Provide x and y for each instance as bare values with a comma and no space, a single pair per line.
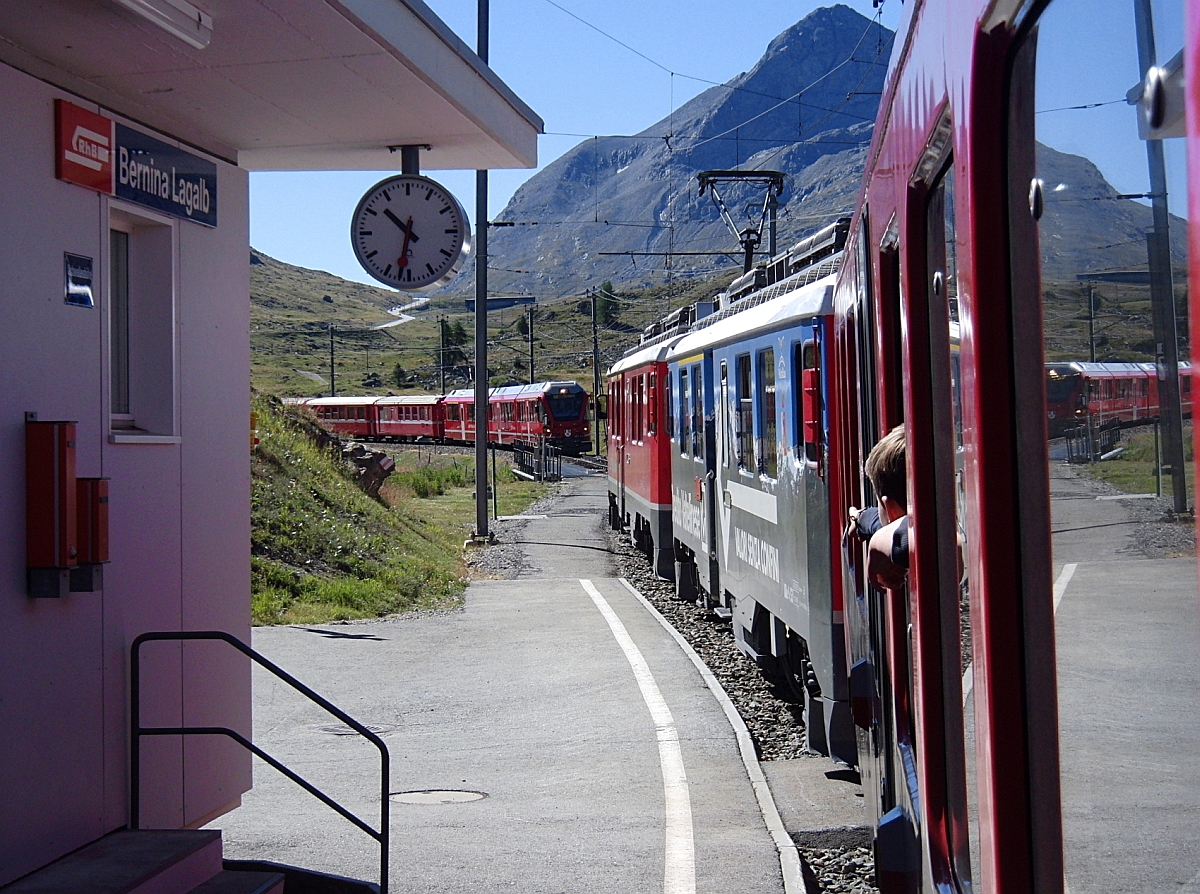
128,862
230,882
306,881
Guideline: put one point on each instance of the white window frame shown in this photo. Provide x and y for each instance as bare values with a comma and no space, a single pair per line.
153,416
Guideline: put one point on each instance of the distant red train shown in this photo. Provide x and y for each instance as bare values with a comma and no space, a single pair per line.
554,413
1106,393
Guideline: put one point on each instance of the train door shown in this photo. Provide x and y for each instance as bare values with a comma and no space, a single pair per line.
708,417
1099,160
722,503
830,725
621,394
940,591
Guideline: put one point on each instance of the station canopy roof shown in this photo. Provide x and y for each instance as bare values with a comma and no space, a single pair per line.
281,84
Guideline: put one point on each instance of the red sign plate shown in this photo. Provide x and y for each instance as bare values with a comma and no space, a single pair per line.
84,150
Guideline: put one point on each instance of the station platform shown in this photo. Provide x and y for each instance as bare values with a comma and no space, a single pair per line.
1128,643
551,735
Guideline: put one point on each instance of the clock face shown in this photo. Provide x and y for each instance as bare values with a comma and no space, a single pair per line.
410,233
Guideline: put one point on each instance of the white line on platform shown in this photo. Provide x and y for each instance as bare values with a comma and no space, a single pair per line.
789,856
1127,497
679,873
1060,585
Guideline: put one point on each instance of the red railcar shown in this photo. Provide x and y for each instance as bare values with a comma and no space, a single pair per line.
555,413
410,418
352,416
1100,394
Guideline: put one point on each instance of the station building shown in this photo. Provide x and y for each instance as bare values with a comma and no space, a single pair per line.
129,131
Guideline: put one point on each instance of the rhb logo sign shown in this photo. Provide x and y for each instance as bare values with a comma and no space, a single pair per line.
85,147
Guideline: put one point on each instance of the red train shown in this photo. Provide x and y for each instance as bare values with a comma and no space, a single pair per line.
1078,394
554,413
988,191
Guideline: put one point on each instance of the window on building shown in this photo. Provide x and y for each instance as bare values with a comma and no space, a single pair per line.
141,325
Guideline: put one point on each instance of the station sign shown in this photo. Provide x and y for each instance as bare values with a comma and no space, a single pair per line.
158,175
96,152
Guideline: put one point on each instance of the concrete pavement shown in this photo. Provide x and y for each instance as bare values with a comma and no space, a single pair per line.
550,736
1128,642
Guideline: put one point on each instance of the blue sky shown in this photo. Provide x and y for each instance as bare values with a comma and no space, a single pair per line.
579,81
583,83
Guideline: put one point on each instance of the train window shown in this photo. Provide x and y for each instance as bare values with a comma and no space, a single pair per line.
652,398
697,413
669,401
685,412
808,402
768,463
745,415
566,405
1099,196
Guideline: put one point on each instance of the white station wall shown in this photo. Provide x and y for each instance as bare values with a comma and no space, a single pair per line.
179,513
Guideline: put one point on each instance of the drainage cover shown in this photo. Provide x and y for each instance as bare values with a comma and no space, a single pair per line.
342,729
437,796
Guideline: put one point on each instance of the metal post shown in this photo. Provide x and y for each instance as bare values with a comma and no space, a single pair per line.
332,380
442,354
529,326
1162,292
481,291
495,490
773,208
1092,320
1157,463
595,375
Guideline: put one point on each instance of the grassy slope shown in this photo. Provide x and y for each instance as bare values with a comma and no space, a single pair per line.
290,334
323,550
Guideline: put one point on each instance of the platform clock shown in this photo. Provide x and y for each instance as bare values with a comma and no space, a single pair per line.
410,233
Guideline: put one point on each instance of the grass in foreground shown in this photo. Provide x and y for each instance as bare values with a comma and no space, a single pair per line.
322,550
1133,471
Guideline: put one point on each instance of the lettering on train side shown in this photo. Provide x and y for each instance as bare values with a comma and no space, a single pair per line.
758,554
687,513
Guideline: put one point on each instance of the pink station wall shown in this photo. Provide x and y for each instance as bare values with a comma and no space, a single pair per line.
179,516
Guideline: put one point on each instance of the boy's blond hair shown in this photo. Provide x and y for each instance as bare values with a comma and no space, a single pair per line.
886,467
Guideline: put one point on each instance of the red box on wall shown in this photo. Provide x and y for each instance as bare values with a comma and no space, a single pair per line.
91,516
51,546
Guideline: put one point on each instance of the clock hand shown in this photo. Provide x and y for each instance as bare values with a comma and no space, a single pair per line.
387,212
403,262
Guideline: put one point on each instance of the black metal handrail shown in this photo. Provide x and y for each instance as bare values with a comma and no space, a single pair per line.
137,731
